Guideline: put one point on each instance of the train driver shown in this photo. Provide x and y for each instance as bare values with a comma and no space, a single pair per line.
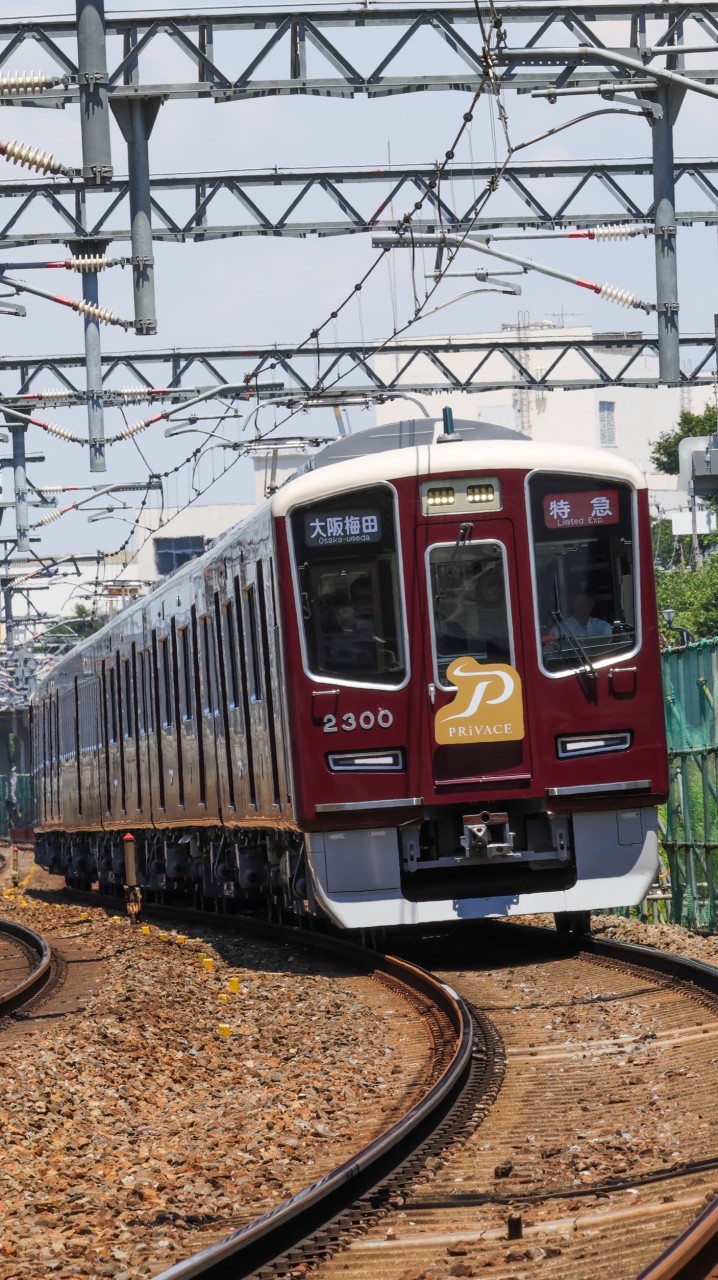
580,621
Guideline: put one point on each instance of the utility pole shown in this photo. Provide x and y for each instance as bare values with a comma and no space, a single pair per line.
136,119
664,227
96,168
93,87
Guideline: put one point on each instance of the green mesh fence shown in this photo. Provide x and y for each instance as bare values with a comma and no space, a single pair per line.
690,843
16,818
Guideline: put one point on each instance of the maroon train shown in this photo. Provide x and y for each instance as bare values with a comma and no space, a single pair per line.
380,699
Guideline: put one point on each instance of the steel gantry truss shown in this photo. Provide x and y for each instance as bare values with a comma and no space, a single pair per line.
347,370
325,202
647,59
326,51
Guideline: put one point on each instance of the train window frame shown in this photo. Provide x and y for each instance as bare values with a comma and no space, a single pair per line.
167,708
598,657
502,558
402,630
112,702
229,640
185,679
249,591
127,719
209,675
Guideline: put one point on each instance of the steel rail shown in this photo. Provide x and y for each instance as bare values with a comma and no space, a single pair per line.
693,1254
242,1252
30,985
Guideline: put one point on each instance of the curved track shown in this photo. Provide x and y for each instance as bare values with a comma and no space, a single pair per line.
25,966
527,1186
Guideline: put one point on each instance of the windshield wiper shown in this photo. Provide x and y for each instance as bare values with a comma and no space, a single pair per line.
461,540
587,669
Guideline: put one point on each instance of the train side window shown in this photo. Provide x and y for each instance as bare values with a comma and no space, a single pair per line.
210,693
198,706
264,640
127,699
112,705
175,702
141,693
154,701
136,703
120,729
250,595
230,651
244,691
78,762
219,611
166,685
185,659
583,550
106,735
351,603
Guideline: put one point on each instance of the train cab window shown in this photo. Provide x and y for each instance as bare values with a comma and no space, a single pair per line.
583,541
349,588
470,610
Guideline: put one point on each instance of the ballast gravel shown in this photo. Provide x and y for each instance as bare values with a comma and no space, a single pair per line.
203,1083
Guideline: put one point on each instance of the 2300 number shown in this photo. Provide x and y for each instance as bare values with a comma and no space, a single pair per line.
367,720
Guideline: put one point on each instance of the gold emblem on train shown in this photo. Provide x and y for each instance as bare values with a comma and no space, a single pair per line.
488,706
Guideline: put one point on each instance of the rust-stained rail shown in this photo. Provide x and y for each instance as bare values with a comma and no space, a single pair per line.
36,979
282,1230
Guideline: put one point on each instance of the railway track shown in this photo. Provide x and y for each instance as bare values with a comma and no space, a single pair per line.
25,966
597,1157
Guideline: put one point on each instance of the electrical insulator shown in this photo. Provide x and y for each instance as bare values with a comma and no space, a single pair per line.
50,517
91,262
23,155
613,294
28,82
134,429
53,429
61,393
99,313
615,231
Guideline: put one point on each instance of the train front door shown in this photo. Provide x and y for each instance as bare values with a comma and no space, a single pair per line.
473,656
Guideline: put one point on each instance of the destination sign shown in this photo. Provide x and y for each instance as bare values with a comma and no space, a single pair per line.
342,528
580,510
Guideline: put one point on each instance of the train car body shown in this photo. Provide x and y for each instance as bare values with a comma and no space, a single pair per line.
372,700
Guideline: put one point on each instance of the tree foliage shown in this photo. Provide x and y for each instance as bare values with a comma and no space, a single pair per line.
664,454
693,593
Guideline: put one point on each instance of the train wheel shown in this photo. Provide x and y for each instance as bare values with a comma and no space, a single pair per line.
577,923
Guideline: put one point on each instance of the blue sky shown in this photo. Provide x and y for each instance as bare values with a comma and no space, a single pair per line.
257,291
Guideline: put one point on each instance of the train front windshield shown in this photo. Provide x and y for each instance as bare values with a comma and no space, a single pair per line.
469,595
583,549
347,568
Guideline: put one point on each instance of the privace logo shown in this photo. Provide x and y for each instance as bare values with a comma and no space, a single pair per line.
487,708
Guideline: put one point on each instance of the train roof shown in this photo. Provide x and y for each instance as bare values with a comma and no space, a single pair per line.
418,446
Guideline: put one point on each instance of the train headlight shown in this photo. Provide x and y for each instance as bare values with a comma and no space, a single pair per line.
365,761
440,497
594,744
480,493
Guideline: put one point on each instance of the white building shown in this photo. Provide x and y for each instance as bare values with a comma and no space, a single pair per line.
625,420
